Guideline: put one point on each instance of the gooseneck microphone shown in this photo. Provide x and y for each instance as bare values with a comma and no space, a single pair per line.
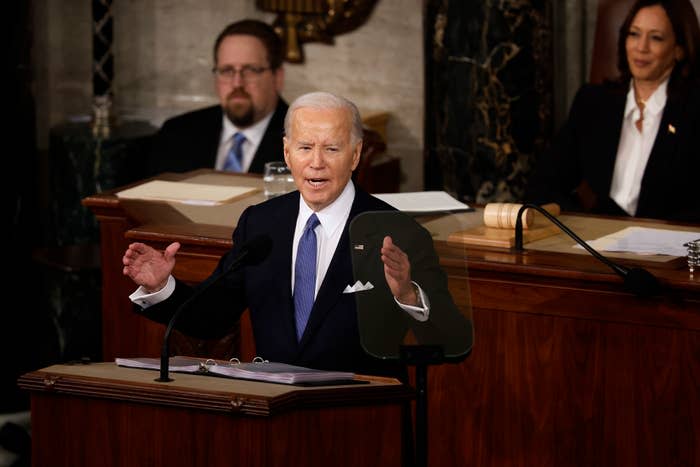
252,252
636,280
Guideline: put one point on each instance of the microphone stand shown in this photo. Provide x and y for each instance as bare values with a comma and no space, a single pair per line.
253,252
165,349
519,237
637,280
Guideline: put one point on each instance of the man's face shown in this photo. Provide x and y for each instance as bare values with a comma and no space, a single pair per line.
320,154
246,100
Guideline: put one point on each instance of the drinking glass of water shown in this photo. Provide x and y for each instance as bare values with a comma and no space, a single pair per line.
277,179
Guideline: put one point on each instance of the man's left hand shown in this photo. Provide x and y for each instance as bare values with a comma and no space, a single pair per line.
397,271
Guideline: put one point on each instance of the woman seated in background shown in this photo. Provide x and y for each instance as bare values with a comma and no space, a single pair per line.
632,147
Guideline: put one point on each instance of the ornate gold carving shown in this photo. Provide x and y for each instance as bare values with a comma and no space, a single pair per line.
49,382
300,21
237,403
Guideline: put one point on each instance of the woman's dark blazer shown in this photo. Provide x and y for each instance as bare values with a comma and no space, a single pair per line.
577,170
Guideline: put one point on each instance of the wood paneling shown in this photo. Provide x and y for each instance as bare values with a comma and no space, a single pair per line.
109,420
567,368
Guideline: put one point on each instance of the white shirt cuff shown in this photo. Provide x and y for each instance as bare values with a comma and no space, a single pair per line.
420,312
145,299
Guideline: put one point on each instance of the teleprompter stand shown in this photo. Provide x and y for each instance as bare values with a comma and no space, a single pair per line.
421,356
436,330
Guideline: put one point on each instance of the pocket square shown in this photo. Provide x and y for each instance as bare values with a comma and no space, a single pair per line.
358,287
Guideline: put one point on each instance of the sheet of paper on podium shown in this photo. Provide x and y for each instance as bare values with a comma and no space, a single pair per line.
647,241
188,193
423,202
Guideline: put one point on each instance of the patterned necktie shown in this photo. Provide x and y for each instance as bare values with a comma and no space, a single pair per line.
234,160
305,275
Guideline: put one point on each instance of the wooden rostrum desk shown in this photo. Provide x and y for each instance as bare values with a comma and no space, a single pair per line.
103,415
567,367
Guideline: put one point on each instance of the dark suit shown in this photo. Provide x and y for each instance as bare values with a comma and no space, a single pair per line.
191,141
331,339
586,148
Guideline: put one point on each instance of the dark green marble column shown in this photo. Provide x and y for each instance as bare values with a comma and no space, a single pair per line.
488,95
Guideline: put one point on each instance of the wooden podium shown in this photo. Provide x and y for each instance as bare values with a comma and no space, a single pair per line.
102,414
567,369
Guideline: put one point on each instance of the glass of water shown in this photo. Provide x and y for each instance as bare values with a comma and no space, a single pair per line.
277,179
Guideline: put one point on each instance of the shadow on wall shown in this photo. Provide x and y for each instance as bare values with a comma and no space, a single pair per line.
410,152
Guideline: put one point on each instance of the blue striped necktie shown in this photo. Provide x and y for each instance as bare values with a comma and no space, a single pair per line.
305,275
234,160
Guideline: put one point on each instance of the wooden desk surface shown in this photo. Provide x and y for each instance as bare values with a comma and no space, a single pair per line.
107,380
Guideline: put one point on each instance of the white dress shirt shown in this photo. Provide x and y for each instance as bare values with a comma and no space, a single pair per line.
635,146
332,219
253,135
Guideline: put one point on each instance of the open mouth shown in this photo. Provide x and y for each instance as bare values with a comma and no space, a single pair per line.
316,182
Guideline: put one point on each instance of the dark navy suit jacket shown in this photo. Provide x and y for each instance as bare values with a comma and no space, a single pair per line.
331,339
191,141
585,149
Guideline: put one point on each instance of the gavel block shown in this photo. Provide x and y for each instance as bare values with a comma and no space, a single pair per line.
499,226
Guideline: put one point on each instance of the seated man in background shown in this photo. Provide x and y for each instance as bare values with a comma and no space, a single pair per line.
630,147
245,130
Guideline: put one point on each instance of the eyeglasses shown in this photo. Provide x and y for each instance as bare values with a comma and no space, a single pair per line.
248,73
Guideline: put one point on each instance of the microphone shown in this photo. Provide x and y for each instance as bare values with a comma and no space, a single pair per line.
636,280
252,252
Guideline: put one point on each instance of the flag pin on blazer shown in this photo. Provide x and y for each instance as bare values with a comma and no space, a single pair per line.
671,129
359,246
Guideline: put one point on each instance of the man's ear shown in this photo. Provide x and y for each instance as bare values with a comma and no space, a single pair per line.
357,154
285,149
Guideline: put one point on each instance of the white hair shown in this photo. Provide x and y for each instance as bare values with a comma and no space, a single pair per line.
326,100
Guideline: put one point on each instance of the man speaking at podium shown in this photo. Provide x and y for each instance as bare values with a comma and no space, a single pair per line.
299,312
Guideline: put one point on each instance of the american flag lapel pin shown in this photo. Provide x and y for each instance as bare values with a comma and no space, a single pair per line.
359,246
671,129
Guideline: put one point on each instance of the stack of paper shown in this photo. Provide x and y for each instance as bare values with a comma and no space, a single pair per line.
264,371
646,241
278,373
188,193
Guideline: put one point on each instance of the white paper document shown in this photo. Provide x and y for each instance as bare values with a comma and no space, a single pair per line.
423,201
188,193
646,241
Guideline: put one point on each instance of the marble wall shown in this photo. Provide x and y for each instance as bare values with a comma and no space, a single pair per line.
490,90
501,75
163,58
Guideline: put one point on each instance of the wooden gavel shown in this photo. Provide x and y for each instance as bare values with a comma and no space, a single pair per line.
504,215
